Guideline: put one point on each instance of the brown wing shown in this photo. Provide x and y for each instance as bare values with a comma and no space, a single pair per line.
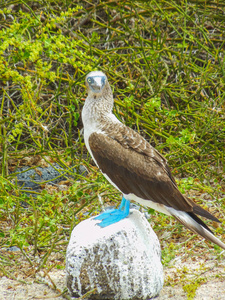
130,139
140,170
137,173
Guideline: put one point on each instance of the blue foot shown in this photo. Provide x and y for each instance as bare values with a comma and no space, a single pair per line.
114,215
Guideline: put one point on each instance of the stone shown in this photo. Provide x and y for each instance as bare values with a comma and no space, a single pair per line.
121,261
30,178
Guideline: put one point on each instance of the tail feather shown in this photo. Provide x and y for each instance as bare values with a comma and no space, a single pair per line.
204,213
199,221
201,211
196,225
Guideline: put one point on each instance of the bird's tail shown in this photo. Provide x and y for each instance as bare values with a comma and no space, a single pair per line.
196,225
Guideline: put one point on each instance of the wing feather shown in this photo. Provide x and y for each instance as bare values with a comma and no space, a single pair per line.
132,172
141,171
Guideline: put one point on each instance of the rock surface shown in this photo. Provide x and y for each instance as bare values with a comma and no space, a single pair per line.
31,178
121,261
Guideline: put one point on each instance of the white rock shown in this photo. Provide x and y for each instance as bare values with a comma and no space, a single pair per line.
121,261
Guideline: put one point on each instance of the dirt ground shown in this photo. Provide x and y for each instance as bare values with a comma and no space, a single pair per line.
207,277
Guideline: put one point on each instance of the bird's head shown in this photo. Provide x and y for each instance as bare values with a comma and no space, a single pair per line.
95,82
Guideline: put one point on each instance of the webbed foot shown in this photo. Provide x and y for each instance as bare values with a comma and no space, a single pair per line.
114,215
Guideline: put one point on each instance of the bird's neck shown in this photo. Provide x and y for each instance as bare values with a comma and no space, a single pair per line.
97,109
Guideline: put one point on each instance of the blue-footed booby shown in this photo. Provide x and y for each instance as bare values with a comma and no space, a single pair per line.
132,165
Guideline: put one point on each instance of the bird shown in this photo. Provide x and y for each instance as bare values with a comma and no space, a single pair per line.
132,165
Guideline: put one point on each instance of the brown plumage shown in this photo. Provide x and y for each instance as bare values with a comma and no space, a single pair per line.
132,165
137,172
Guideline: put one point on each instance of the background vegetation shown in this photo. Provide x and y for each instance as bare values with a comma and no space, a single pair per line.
165,62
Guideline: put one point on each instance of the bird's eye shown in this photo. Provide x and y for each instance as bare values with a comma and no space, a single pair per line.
89,80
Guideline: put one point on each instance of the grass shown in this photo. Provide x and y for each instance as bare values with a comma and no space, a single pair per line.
165,62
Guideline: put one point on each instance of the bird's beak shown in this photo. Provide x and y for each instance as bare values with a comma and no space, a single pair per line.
97,84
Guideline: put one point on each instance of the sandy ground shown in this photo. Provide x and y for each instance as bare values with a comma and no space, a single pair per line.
211,274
